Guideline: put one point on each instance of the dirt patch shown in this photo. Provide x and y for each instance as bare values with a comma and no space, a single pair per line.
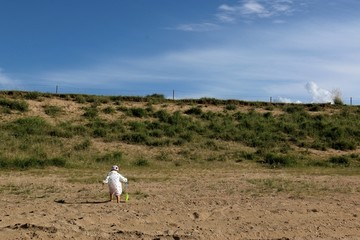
183,203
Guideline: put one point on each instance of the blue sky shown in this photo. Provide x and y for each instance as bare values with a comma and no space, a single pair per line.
289,50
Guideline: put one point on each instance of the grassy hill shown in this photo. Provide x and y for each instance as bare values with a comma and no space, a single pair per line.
71,130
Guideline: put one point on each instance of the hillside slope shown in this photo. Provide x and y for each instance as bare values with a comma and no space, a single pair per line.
71,130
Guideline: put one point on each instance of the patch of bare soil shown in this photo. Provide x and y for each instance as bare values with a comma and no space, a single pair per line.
180,204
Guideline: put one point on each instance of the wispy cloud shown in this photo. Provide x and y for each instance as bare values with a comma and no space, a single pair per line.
198,27
242,11
254,9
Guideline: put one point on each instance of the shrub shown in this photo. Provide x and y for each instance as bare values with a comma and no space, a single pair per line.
33,162
109,110
210,116
344,145
137,138
91,112
239,156
194,111
137,112
5,110
318,163
71,130
162,115
340,160
337,97
29,125
32,95
267,115
57,162
52,111
21,106
59,132
80,99
278,160
92,99
156,95
83,145
230,107
315,108
294,108
4,163
155,98
141,162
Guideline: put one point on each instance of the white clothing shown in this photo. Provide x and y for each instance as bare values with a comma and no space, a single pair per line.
114,179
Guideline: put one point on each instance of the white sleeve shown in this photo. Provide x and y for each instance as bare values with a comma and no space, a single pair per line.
106,179
122,178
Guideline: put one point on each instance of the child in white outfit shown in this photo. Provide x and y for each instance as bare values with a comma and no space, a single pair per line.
114,179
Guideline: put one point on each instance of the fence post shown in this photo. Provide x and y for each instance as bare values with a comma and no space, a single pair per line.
350,101
270,99
173,95
57,87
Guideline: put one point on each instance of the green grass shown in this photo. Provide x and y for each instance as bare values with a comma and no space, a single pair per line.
53,111
31,162
154,131
19,105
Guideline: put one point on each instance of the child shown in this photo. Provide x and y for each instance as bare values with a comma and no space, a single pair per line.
114,179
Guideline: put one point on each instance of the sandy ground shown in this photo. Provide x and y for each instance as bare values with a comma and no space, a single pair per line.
180,204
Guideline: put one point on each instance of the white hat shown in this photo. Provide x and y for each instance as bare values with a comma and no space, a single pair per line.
115,168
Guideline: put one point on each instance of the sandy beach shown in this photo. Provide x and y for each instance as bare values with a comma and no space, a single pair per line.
180,204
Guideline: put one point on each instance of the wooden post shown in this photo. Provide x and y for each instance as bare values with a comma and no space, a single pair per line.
57,88
350,101
173,94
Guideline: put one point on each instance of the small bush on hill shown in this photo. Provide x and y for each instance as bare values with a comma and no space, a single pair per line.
340,160
141,162
32,95
52,111
91,112
109,110
194,111
31,162
137,112
29,126
230,107
21,106
279,160
136,138
84,145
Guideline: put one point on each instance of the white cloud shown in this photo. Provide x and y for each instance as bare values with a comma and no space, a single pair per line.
318,94
285,100
242,11
227,8
197,27
255,9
